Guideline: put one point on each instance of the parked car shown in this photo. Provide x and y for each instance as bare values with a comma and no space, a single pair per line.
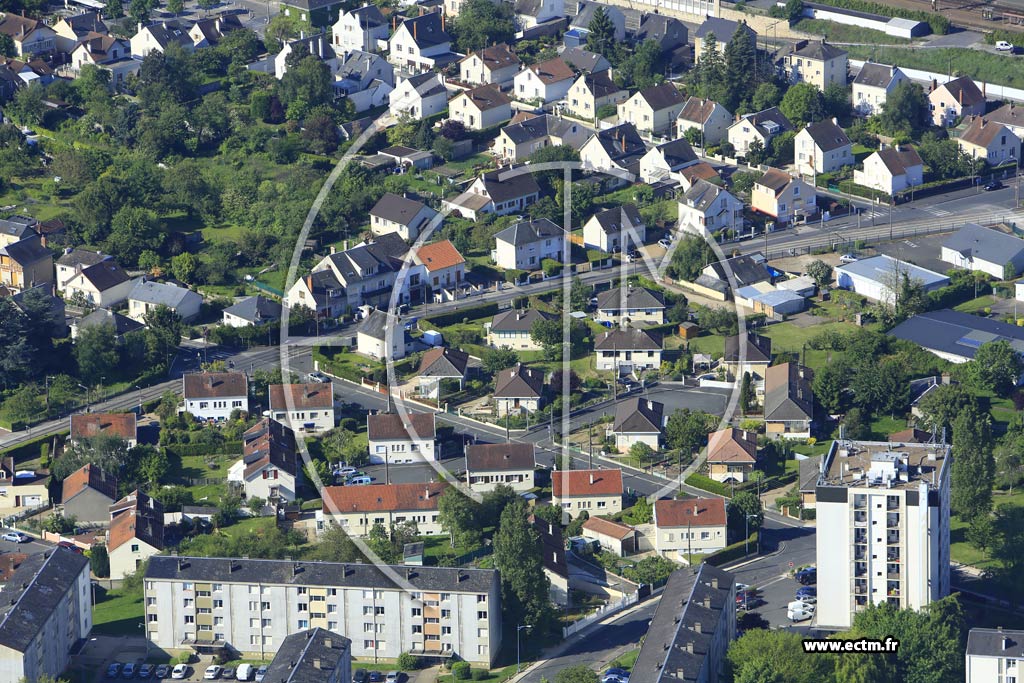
129,670
162,671
68,545
179,672
212,673
994,185
359,481
847,258
319,378
665,242
245,672
16,537
347,472
146,671
393,677
1004,46
376,677
360,676
261,673
228,674
800,614
616,674
807,576
113,670
806,592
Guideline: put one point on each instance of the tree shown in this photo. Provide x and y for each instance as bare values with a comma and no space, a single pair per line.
880,386
459,515
743,505
320,134
549,513
494,361
774,657
856,424
794,10
981,533
133,229
548,334
184,266
748,399
99,561
23,405
27,106
803,104
175,7
643,511
740,55
755,153
996,367
152,463
335,545
139,11
481,23
744,181
709,78
96,351
305,86
408,662
837,101
830,384
7,47
1009,463
940,406
60,524
905,110
640,452
686,430
108,453
601,35
580,673
228,511
821,272
579,294
691,255
973,465
524,587
766,96
643,68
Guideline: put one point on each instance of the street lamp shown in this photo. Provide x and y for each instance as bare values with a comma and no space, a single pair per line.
746,541
518,629
46,383
140,399
87,401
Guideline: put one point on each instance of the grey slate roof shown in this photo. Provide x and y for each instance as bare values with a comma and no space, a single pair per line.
876,75
770,115
698,110
614,220
503,188
33,592
723,29
26,251
499,457
427,84
369,16
285,572
985,244
444,362
677,153
992,642
956,333
81,257
809,473
628,339
396,209
536,128
662,96
158,293
18,226
527,232
585,60
122,324
787,394
427,30
383,254
519,382
745,269
600,84
105,275
639,416
256,309
518,321
622,143
676,648
167,32
827,135
669,33
308,657
818,50
758,348
632,298
376,325
702,194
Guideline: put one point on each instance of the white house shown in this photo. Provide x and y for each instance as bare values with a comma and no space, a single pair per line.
371,337
518,390
891,170
956,99
483,107
530,13
618,148
215,395
590,92
599,492
303,407
526,244
499,192
401,439
490,464
993,142
974,247
252,310
519,140
494,65
783,197
317,45
822,147
628,350
98,49
760,126
444,269
686,526
356,509
543,82
419,97
407,217
366,79
269,467
707,116
617,229
992,651
667,161
320,292
136,533
103,284
421,43
157,36
73,29
878,277
146,296
629,304
511,328
707,208
872,86
638,420
360,29
653,110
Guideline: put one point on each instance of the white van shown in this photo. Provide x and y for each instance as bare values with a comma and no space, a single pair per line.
244,672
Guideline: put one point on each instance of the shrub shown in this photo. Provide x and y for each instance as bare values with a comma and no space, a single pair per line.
708,484
461,671
479,675
408,661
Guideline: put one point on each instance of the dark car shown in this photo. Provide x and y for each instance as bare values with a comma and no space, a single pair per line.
376,677
994,185
807,576
806,592
360,676
68,545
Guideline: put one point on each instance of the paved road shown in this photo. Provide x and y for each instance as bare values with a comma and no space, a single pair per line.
33,547
769,574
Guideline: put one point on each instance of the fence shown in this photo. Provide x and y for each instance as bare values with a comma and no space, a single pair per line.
600,613
267,288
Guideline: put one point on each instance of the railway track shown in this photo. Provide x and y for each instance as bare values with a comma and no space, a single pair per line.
969,14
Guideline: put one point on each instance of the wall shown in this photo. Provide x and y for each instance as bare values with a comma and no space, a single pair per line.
993,91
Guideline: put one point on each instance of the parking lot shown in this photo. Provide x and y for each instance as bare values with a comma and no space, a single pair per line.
924,251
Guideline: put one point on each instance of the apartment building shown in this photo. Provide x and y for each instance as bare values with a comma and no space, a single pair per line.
252,606
45,609
883,527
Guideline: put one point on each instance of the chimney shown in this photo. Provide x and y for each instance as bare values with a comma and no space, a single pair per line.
714,582
960,97
426,493
442,21
689,647
309,281
696,627
414,27
984,89
1006,642
623,142
394,22
591,478
328,643
707,602
935,84
316,663
333,249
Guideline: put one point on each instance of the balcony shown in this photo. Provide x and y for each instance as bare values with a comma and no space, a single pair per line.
860,519
892,588
892,568
892,503
860,587
893,555
860,555
860,569
860,502
892,538
892,520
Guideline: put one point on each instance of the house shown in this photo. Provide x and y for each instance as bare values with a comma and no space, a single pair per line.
421,43
25,264
760,126
320,292
628,350
585,61
121,324
990,651
316,45
543,82
774,302
147,296
553,559
366,79
722,30
136,533
618,148
667,161
362,28
809,473
407,217
706,209
494,65
956,336
362,275
788,401
90,425
419,96
891,170
31,37
401,439
356,509
638,420
70,31
252,310
532,13
104,284
517,141
438,364
215,395
590,92
783,197
958,98
974,247
689,525
372,336
269,466
747,353
483,107
872,86
317,13
613,537
21,488
822,147
209,32
707,116
98,49
88,493
1010,115
74,261
312,655
671,36
157,36
518,390
499,192
17,228
10,82
491,464
617,229
878,277
444,269
525,245
580,24
303,407
511,329
599,492
46,614
993,142
815,62
653,110
745,269
624,305
732,455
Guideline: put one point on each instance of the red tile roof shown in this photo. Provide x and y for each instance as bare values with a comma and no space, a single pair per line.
382,497
303,396
732,445
439,255
85,425
392,426
215,385
586,483
607,527
89,476
136,516
689,512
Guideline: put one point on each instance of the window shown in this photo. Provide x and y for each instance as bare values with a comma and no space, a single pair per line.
482,614
217,604
135,547
303,623
190,619
266,623
188,602
265,606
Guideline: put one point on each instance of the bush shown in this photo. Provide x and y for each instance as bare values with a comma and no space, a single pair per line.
186,449
461,671
708,484
457,316
480,675
408,661
732,552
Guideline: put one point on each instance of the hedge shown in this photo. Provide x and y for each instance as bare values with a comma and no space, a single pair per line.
732,552
182,450
708,484
31,449
11,426
457,316
939,23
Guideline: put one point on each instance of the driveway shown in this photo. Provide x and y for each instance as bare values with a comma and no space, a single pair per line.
99,651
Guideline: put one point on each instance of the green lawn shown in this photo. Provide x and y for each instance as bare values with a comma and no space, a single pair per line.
117,613
843,33
962,551
986,66
882,426
495,675
626,660
976,305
